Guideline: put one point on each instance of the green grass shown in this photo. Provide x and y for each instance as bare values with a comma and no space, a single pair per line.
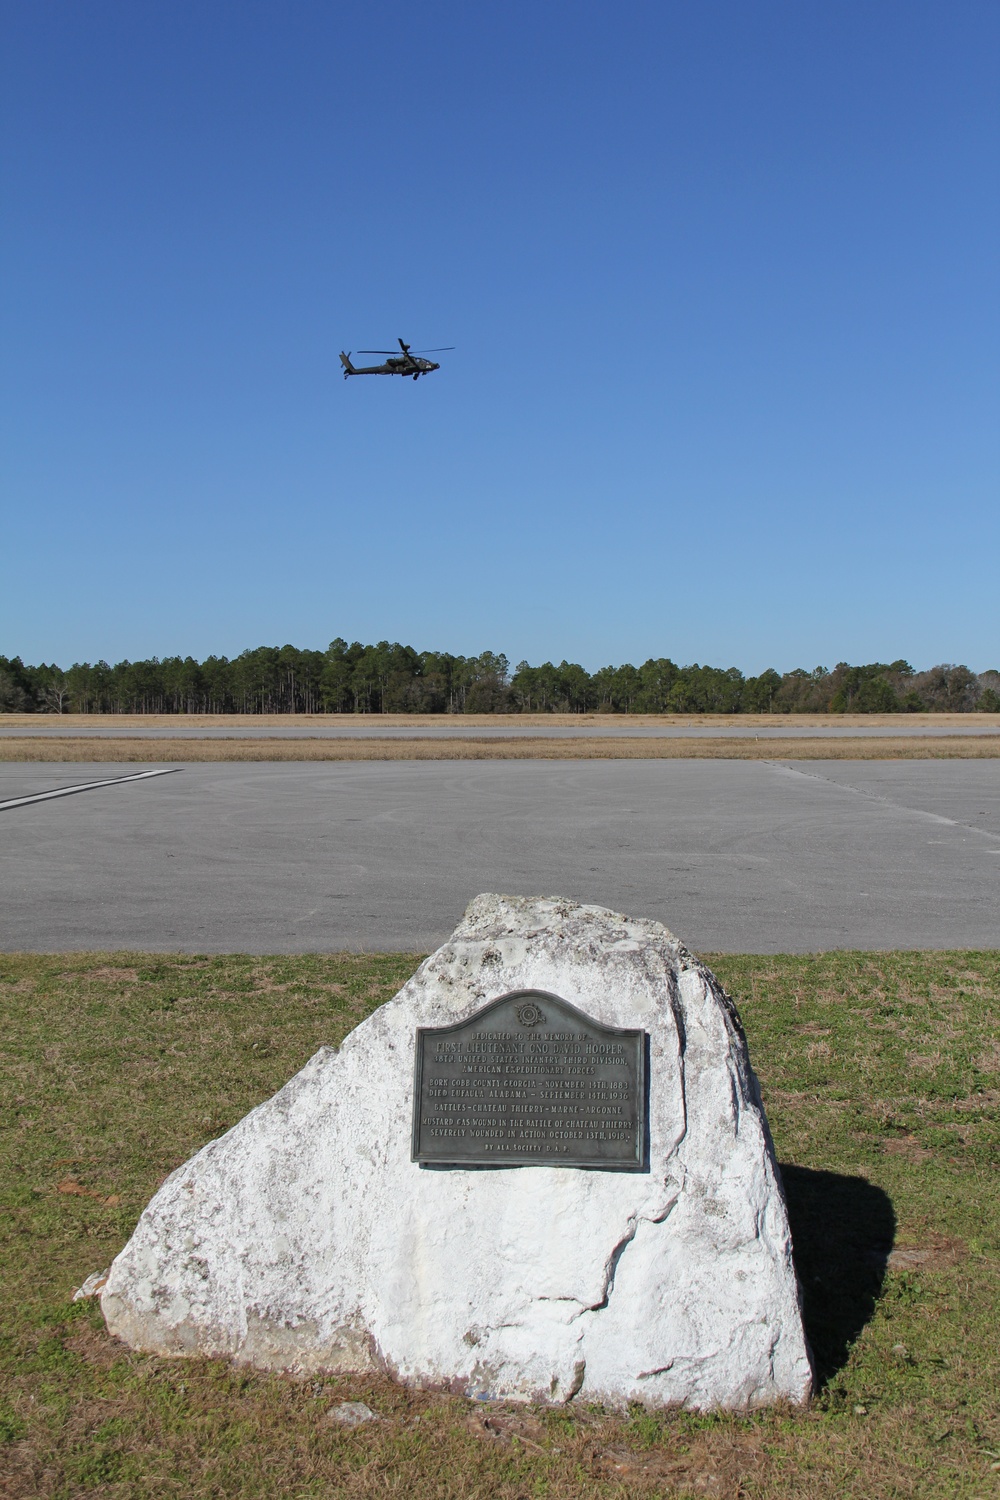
881,1076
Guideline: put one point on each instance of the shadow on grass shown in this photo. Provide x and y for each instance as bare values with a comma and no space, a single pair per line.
842,1231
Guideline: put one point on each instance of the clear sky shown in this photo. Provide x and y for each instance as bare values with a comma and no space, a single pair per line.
722,278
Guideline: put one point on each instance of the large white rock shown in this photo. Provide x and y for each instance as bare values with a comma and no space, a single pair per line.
306,1239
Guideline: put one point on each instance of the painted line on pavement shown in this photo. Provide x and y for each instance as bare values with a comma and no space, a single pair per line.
874,796
84,786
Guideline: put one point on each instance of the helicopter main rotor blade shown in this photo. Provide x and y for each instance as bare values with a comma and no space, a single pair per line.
444,349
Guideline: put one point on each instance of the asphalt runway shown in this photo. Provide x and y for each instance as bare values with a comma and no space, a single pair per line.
734,856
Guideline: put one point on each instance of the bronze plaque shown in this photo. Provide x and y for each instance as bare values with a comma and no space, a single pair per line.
530,1080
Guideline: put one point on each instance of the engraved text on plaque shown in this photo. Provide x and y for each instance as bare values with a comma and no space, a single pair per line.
529,1079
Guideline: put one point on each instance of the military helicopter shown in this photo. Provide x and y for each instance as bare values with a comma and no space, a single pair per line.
397,364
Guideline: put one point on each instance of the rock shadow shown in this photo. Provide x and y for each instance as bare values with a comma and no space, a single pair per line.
842,1232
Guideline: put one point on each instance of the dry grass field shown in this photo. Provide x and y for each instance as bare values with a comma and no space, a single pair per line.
66,748
881,1077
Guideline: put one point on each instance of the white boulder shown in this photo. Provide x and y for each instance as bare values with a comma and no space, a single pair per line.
306,1239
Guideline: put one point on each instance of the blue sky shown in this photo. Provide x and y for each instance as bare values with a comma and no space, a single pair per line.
722,279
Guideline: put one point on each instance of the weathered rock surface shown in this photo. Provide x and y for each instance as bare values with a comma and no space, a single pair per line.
306,1239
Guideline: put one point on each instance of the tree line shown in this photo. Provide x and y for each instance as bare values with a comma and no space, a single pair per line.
390,678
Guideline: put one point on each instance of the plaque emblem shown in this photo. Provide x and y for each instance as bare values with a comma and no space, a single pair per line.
529,1014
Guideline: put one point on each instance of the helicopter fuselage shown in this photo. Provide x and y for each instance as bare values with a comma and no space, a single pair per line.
398,365
406,363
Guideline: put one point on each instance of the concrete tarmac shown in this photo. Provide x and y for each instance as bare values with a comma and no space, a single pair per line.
735,856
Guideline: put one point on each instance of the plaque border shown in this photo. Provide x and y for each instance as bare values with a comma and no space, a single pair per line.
640,1164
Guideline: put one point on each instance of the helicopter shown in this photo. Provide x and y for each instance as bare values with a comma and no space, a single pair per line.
397,364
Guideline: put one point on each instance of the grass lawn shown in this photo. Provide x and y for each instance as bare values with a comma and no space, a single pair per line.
881,1076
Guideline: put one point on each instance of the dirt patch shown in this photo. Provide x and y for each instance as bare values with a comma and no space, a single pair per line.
924,1062
988,1100
72,1187
17,986
906,1146
505,1427
659,1468
936,1253
98,1348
